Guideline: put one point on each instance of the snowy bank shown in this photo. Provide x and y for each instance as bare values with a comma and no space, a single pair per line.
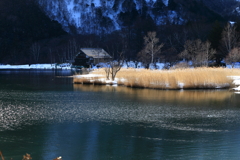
37,66
236,82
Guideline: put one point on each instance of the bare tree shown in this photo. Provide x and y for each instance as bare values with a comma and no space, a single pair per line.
198,52
190,49
152,47
229,37
206,54
113,67
35,51
233,56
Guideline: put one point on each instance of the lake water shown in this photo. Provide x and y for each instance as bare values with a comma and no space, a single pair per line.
44,114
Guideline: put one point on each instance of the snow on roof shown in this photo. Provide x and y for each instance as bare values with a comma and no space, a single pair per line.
232,23
95,52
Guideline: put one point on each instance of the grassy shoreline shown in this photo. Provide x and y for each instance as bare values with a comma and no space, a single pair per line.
190,78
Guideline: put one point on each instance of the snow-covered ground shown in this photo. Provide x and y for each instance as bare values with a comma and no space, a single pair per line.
130,64
236,65
236,82
37,66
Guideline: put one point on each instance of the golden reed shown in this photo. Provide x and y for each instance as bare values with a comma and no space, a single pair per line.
188,78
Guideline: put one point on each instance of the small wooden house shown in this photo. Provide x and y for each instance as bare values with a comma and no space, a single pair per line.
87,57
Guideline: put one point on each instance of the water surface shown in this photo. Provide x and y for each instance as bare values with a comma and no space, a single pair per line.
43,113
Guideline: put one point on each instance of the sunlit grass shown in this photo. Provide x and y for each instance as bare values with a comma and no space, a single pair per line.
197,78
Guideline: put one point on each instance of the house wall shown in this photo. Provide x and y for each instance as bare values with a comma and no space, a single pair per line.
82,60
99,60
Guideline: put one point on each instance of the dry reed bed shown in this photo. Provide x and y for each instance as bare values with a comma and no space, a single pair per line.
197,78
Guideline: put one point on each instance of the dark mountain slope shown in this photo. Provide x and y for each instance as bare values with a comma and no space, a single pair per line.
21,24
194,10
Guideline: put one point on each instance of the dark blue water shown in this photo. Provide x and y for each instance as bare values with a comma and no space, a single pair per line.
44,114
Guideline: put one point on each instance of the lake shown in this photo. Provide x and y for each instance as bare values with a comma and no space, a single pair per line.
44,114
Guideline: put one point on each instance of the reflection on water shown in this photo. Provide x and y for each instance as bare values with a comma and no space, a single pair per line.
163,109
179,96
105,122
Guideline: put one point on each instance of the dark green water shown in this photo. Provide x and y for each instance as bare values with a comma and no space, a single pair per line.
42,113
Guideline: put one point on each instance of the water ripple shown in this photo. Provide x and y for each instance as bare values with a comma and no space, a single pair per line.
20,108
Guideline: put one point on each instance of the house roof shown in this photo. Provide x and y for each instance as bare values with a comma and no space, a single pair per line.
95,52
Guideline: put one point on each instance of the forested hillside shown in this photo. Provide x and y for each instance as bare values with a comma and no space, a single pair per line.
42,31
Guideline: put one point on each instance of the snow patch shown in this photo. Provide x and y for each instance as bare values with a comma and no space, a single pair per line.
236,80
236,88
97,3
165,2
180,85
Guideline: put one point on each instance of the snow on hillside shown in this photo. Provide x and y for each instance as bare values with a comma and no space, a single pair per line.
97,16
165,2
